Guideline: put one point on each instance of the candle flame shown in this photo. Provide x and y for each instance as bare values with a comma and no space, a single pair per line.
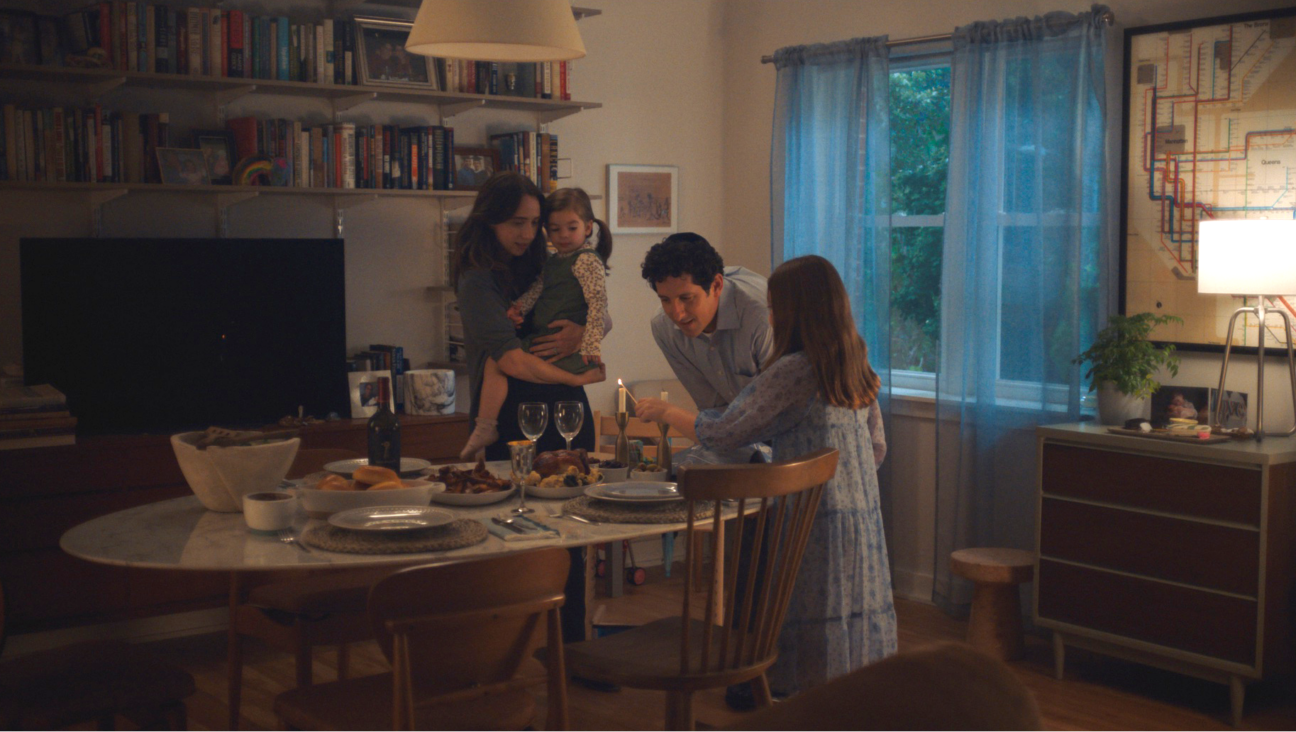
620,383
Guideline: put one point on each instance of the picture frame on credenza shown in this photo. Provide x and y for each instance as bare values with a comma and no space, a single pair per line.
364,393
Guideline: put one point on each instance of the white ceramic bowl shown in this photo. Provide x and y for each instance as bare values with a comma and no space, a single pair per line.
322,504
648,475
221,476
614,475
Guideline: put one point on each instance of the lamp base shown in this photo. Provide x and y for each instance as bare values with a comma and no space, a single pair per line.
1260,311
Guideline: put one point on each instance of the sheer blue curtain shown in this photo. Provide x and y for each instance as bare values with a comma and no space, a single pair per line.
830,183
1028,255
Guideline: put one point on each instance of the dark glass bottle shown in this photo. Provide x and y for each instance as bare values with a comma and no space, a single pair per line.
384,431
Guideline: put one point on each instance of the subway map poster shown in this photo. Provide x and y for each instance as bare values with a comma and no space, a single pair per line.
1211,111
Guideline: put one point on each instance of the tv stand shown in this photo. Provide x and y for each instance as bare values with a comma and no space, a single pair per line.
46,491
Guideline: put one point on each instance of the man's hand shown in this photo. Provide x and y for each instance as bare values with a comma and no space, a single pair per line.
650,409
558,345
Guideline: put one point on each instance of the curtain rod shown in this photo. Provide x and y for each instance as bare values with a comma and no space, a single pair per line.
1108,17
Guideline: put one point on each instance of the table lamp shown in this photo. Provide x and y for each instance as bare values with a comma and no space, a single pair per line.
1252,258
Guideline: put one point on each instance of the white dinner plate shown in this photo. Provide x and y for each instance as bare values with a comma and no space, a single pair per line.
644,491
390,518
409,467
472,499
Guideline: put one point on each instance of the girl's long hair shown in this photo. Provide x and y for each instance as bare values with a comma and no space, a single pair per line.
578,201
476,246
812,315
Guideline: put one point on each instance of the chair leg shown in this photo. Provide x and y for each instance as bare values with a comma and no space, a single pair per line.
234,677
557,686
761,691
679,710
344,661
304,664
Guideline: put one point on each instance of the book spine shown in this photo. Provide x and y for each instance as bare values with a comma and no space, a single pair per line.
194,31
249,50
215,45
318,74
548,80
234,32
283,50
294,52
104,32
329,74
132,36
11,137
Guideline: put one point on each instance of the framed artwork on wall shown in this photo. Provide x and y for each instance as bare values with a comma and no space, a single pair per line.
643,199
1210,106
382,59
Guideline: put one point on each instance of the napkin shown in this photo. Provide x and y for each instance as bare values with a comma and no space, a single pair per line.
508,535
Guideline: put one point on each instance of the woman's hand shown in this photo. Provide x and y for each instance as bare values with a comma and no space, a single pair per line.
591,376
514,313
561,344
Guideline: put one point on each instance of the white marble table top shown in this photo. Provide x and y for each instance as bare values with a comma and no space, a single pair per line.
181,534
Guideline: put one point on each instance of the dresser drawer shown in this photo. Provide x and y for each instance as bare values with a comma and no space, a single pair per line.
1206,555
1180,487
1156,612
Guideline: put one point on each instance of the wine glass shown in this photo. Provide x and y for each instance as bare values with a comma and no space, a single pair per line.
533,418
521,456
568,418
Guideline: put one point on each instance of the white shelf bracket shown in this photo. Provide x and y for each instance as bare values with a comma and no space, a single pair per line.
225,96
224,201
544,118
342,203
342,104
97,199
97,89
451,109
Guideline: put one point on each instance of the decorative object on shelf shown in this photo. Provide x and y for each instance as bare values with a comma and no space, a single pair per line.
1182,403
1251,256
253,170
1122,365
502,30
643,199
1232,413
221,476
384,59
182,166
219,148
364,393
474,165
1160,216
430,391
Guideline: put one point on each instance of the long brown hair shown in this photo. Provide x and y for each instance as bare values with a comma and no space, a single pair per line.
577,201
812,315
476,246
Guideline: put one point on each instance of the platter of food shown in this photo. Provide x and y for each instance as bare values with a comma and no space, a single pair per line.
325,493
475,487
645,491
561,474
390,518
409,467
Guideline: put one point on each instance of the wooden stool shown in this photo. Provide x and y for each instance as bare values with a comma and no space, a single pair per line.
996,624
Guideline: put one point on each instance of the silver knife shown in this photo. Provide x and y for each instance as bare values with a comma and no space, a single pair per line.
508,526
537,524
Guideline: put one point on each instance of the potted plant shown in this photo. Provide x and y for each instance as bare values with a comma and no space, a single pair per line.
1123,364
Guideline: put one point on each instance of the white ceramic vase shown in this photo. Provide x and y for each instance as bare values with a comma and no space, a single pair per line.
1115,407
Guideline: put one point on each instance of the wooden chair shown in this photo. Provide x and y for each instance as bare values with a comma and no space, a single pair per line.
93,681
946,686
460,638
295,613
683,655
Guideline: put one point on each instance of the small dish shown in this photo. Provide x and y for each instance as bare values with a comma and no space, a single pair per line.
648,491
472,499
409,467
648,475
390,518
614,475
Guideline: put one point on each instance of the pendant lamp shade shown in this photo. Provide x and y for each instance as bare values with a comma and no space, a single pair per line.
496,30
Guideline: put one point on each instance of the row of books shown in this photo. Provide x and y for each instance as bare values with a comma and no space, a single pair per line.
81,145
381,357
131,35
34,416
347,155
533,154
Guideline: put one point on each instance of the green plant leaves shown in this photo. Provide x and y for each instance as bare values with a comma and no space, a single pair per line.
1123,355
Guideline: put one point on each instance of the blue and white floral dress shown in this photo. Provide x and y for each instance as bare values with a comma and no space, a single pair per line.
841,615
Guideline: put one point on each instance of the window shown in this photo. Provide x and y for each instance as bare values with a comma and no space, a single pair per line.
919,160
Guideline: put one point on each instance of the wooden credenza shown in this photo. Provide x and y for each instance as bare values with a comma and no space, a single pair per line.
46,491
1179,555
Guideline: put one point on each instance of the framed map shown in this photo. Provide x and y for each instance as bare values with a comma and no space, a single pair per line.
1210,132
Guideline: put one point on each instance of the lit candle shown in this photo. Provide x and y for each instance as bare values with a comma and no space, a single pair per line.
665,397
621,394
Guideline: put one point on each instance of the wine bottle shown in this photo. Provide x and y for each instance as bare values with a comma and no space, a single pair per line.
384,430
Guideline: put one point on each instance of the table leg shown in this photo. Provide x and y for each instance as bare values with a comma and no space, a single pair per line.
615,568
234,653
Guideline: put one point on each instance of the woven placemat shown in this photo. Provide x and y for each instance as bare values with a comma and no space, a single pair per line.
670,512
455,535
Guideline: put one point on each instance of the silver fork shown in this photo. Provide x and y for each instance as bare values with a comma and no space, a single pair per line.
286,536
560,515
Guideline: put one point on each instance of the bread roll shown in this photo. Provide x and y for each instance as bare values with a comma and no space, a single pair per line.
386,485
335,483
372,475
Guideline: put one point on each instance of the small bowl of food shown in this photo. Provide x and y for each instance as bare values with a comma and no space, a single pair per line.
613,471
648,471
324,494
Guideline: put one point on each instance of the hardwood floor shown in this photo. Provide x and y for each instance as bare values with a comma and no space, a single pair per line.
1098,693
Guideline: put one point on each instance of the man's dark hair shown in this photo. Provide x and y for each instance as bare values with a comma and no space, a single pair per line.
682,254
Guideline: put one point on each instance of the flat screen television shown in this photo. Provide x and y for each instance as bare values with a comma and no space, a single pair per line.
165,335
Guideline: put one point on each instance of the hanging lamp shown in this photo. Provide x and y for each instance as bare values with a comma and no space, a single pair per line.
496,30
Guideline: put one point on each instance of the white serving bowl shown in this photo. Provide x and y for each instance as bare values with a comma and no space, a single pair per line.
221,476
649,475
614,475
322,504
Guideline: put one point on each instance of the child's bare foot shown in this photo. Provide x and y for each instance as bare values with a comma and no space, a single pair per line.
483,436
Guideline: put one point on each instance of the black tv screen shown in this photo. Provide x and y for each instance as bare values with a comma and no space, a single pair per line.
164,335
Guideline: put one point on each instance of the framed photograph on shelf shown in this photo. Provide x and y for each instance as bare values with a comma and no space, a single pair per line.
1231,158
183,166
219,147
364,393
1180,402
382,58
643,199
473,166
1233,412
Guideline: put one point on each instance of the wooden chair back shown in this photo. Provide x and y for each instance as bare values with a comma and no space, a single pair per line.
780,499
462,631
313,459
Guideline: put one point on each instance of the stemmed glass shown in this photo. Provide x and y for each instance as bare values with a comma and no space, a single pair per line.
568,418
533,418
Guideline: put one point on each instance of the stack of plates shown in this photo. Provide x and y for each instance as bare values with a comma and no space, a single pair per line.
646,491
390,518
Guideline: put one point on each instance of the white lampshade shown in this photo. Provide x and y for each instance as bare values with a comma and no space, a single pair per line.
496,30
1246,257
